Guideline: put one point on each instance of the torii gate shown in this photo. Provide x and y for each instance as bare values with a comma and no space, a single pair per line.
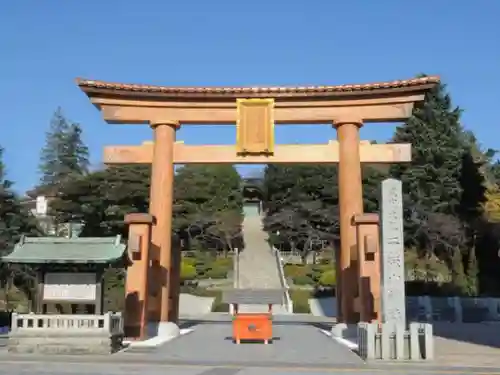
255,111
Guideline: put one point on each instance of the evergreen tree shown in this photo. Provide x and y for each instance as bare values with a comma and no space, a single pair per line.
475,179
208,206
101,199
446,178
472,273
480,182
301,207
14,220
64,154
432,181
372,180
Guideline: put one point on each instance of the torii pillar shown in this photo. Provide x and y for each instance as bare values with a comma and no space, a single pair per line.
351,203
160,206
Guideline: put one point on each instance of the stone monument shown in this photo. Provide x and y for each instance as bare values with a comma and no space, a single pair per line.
392,262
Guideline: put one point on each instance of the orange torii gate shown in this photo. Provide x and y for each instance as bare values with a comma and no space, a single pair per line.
255,111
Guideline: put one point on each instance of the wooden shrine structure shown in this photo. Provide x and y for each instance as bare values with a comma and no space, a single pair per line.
69,271
255,111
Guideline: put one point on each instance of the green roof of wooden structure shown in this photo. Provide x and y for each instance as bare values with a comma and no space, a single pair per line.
75,250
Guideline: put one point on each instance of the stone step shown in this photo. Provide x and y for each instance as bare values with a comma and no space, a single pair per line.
277,309
257,264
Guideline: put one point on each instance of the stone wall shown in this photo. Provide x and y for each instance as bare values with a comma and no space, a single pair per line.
431,309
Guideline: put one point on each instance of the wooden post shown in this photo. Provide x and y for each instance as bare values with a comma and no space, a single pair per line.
175,279
39,305
351,203
99,298
160,206
137,291
368,301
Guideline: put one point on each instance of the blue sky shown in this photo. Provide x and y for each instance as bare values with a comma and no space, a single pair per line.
45,45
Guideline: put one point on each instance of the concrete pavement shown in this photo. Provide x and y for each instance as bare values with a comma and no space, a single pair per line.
109,365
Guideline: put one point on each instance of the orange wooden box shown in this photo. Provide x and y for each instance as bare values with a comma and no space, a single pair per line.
252,326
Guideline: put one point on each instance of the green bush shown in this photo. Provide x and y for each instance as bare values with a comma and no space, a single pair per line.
325,261
294,270
226,263
300,299
188,271
220,306
328,278
303,280
303,271
189,260
209,267
320,268
216,273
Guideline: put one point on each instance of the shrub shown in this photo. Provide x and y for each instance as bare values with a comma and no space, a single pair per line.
207,266
325,261
216,273
224,263
294,270
320,268
300,299
220,306
188,271
189,260
303,280
328,278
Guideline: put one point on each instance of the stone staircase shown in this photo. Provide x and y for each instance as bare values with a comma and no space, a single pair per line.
257,268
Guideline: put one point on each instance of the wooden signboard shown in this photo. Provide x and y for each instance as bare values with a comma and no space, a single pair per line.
70,287
255,126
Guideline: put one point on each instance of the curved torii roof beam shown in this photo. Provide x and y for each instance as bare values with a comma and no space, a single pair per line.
372,102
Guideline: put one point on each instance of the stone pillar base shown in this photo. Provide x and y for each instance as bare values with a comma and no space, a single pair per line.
163,329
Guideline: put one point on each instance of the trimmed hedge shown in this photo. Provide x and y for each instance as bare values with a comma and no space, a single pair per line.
302,280
188,271
328,278
308,274
206,265
300,299
216,273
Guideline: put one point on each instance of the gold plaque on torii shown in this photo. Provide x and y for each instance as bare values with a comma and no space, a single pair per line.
255,126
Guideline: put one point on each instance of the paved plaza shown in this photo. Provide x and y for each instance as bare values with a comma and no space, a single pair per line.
299,348
111,366
293,345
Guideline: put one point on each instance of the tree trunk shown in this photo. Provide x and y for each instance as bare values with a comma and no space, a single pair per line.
5,288
227,246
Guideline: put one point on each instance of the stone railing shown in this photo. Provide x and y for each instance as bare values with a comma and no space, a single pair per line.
111,323
66,334
284,283
390,342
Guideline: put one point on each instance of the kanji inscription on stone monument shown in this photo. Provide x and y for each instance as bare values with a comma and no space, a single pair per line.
392,264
